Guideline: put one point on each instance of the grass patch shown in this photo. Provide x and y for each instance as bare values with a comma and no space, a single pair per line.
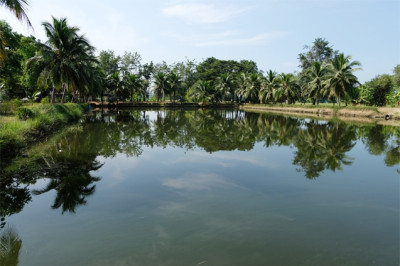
31,123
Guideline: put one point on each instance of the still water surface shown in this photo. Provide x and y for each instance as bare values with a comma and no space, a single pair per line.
205,188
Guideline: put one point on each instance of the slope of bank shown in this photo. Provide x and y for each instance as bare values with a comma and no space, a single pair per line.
381,115
29,124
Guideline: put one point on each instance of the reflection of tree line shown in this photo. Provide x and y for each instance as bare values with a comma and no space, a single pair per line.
68,160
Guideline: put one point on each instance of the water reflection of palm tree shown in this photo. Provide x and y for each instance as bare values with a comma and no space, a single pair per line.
68,164
72,181
13,195
308,153
321,147
10,246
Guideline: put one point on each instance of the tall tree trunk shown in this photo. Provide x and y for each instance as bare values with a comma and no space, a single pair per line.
63,93
53,95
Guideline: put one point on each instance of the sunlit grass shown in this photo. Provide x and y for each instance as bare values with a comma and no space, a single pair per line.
16,133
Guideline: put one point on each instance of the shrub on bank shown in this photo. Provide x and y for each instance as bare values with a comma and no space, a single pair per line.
24,113
33,122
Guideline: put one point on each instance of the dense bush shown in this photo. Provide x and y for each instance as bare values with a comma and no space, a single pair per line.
24,113
45,100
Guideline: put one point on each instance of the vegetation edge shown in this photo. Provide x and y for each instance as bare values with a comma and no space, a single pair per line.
31,124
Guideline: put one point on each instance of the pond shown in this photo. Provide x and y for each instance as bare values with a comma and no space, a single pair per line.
204,187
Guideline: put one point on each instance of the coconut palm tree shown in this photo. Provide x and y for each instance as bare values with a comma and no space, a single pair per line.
161,85
315,81
224,85
203,90
18,7
254,84
174,82
341,77
134,83
288,88
67,57
270,85
242,82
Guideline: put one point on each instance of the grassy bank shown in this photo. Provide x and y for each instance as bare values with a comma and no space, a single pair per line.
28,124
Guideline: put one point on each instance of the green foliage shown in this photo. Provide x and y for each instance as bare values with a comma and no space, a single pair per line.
364,93
18,8
341,79
6,107
44,118
44,100
212,68
202,91
315,78
24,113
396,76
17,103
10,70
381,87
10,245
161,85
66,64
320,52
288,89
68,60
9,107
268,91
393,98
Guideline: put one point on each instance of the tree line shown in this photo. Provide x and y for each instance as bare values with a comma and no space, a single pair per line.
65,68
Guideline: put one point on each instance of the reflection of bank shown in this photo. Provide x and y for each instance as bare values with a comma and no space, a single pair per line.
10,245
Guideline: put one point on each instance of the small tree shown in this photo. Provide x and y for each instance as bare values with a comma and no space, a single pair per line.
381,86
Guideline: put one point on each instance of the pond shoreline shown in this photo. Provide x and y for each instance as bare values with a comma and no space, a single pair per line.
43,121
113,105
13,143
382,115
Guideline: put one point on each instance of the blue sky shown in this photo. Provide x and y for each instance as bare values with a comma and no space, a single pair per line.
270,32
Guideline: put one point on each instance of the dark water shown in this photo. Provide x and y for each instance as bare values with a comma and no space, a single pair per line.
204,188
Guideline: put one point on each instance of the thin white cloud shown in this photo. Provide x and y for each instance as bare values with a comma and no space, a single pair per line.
203,13
262,38
226,38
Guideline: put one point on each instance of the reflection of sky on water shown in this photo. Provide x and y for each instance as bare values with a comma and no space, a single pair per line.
224,159
196,181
